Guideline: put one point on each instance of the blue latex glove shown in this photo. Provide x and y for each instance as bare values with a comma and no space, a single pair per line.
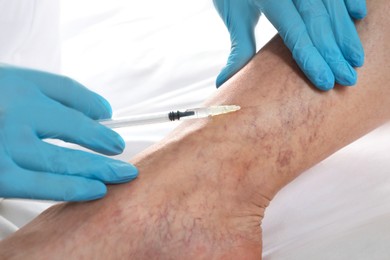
36,105
320,34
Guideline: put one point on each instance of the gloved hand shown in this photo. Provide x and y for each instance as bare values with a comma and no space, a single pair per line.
35,105
320,34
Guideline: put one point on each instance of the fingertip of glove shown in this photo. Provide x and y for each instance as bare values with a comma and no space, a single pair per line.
95,197
359,16
238,58
101,139
357,8
118,145
123,172
326,87
107,110
93,190
348,76
325,81
220,80
96,190
226,74
356,59
360,13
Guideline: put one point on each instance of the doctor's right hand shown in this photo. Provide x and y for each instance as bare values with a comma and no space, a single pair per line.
36,105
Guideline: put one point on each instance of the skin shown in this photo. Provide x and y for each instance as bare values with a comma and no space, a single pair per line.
202,191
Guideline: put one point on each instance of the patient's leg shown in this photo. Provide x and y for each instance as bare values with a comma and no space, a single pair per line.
202,192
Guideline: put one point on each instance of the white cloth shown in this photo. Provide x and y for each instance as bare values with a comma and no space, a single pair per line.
152,55
338,209
30,33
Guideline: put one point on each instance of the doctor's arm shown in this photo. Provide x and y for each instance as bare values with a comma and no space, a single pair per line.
202,191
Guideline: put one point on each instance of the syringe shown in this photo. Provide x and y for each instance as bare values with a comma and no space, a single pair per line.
169,116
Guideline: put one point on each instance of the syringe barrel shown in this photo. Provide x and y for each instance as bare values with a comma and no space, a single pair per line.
136,120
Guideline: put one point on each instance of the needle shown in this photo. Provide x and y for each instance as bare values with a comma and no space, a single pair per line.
169,116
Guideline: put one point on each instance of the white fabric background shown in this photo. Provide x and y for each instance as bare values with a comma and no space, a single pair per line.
151,55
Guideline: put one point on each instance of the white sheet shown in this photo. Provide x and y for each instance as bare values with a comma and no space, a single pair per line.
339,209
152,55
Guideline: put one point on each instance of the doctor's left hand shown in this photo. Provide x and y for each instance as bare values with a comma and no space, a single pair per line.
319,33
36,105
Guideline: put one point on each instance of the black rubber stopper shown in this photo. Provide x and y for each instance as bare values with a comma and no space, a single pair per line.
173,116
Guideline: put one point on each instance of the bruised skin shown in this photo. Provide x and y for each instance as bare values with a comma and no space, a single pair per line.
203,190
